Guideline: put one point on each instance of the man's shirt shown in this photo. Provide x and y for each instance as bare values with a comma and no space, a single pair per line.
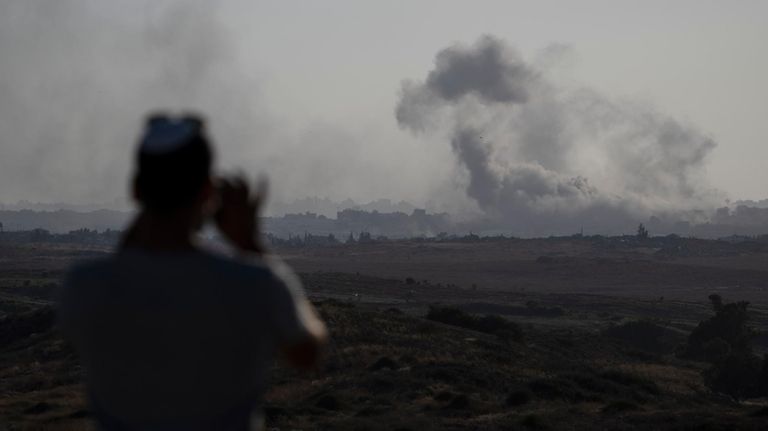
179,338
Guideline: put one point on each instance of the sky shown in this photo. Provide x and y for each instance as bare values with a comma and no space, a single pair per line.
306,91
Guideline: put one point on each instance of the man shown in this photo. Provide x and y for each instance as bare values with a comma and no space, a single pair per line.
173,337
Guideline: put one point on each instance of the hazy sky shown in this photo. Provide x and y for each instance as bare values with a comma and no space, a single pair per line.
306,90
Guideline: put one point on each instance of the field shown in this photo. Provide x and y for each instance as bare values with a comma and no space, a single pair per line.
555,360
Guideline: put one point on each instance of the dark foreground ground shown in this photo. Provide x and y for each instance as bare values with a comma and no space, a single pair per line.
389,367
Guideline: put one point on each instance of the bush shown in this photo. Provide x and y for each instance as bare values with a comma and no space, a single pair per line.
557,389
18,327
611,384
725,341
729,324
459,402
534,422
644,335
763,387
535,309
328,402
736,375
717,350
629,379
518,398
451,316
619,407
488,324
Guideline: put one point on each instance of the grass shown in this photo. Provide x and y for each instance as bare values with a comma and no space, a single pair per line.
387,371
489,324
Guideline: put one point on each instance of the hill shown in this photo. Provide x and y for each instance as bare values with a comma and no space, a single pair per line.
566,333
386,369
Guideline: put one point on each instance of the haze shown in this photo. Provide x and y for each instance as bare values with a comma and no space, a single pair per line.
306,91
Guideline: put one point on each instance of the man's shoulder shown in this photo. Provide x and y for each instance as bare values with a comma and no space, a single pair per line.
197,261
95,268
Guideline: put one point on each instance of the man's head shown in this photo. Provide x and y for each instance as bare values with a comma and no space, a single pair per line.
173,164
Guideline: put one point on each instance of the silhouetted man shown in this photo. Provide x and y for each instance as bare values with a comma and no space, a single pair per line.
173,337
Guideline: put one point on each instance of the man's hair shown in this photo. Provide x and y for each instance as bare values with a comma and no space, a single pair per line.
173,162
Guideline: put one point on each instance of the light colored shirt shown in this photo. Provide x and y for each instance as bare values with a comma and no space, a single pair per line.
180,339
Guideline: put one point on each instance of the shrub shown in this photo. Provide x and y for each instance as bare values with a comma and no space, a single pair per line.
610,384
644,335
532,421
459,402
619,407
491,324
763,387
717,350
518,398
451,316
488,324
535,309
14,328
729,324
725,341
736,375
328,402
633,380
557,389
384,362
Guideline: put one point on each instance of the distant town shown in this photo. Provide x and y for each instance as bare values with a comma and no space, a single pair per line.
386,219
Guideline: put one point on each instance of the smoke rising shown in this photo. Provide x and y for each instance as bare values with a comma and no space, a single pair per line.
78,76
493,73
540,156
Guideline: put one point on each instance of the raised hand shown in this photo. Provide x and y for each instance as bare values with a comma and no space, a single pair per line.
238,215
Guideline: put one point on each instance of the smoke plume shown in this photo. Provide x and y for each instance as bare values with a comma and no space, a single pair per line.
77,77
543,158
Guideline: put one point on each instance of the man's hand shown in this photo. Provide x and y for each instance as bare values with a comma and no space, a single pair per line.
306,353
238,215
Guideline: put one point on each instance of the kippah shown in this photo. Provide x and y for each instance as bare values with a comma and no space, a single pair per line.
165,135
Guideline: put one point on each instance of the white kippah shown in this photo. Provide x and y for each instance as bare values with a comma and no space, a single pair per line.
165,135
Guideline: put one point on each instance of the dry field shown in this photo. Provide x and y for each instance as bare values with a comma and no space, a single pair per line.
388,367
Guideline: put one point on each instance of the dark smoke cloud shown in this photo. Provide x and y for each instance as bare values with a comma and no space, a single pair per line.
538,156
490,71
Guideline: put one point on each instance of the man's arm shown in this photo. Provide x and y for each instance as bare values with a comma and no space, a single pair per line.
299,332
305,354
